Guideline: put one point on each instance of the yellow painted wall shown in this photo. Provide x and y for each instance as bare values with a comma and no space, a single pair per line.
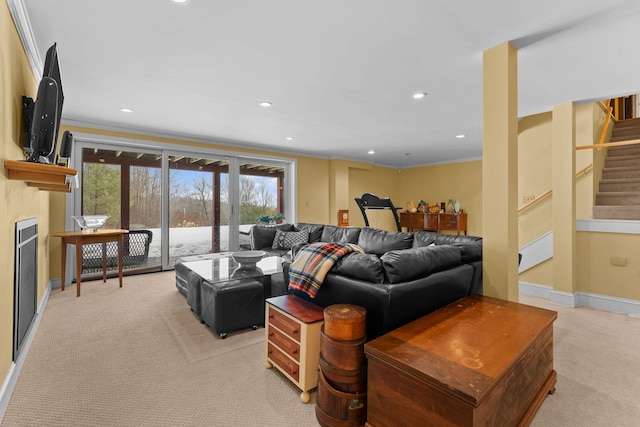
17,201
313,190
438,183
598,275
534,175
534,168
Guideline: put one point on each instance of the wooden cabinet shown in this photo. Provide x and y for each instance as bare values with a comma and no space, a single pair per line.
434,221
292,343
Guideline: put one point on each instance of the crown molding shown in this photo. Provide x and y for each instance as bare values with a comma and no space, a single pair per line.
23,25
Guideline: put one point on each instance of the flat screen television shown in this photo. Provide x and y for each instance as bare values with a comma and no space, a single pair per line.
47,111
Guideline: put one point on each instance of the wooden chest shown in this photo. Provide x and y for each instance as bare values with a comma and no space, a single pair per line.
479,361
293,340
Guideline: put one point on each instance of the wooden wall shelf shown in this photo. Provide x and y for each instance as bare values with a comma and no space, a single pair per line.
44,177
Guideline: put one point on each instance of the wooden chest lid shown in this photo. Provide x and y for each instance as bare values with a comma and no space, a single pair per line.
467,347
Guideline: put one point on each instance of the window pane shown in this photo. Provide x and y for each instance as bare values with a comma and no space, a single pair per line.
198,206
261,194
125,186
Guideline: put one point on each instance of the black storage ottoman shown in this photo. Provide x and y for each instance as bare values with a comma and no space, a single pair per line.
233,305
182,273
194,283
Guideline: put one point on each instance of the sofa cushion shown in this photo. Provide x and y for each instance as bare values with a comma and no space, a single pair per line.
379,242
449,239
366,267
410,264
333,234
262,236
315,230
288,239
424,238
470,251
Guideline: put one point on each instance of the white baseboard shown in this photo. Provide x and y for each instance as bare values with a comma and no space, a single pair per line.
14,371
585,299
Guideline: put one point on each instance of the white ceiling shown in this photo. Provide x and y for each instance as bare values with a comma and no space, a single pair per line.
340,73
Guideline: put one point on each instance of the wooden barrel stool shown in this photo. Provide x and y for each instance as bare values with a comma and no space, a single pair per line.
342,383
345,322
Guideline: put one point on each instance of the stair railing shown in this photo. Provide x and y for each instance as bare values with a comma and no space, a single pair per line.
549,192
605,127
601,144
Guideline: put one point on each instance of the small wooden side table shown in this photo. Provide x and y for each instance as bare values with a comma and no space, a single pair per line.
78,238
293,340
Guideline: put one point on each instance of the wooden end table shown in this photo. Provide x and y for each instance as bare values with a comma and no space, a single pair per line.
292,343
78,238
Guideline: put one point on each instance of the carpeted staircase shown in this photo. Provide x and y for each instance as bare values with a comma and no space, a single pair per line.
619,191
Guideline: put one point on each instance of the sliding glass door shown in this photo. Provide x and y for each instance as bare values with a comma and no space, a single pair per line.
184,201
198,206
125,185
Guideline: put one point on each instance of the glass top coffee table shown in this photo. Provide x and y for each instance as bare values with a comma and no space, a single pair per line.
224,294
222,267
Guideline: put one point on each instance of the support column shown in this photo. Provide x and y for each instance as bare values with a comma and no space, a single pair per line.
500,172
563,180
338,189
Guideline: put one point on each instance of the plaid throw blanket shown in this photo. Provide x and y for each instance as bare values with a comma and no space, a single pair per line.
313,262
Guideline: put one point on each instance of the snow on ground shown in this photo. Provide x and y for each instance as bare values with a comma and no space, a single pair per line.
185,241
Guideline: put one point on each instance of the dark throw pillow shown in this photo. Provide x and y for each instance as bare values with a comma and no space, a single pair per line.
287,239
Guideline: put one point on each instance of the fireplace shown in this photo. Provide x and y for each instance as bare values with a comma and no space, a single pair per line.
26,281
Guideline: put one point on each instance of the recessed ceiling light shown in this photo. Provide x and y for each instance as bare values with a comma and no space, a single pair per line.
419,95
371,152
265,104
180,1
126,110
289,138
461,136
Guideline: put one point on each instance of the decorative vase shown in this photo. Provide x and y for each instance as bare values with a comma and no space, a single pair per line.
456,206
450,207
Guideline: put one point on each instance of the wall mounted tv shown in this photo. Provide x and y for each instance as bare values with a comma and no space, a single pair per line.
45,112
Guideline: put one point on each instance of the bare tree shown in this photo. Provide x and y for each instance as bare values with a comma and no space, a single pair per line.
247,188
264,198
202,188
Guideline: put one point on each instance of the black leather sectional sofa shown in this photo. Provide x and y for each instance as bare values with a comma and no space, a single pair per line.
401,276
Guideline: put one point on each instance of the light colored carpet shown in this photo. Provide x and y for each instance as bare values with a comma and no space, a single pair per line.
136,356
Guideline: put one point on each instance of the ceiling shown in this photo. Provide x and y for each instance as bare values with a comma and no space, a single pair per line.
340,74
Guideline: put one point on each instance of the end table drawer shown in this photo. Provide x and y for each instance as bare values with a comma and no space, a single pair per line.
285,324
284,363
283,342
